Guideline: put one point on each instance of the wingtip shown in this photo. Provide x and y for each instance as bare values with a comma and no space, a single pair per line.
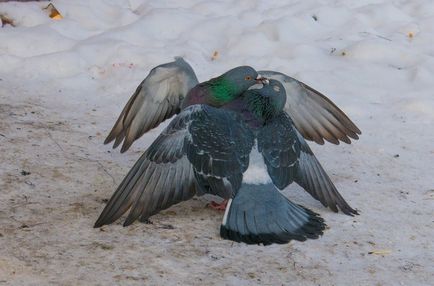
352,212
128,222
107,140
345,139
127,144
110,137
341,206
124,148
346,209
98,223
354,136
333,140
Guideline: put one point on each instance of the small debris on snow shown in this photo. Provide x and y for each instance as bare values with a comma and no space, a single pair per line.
215,56
380,252
25,173
53,12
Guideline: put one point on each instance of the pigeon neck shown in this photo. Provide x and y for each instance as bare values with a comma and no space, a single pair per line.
262,107
222,91
240,106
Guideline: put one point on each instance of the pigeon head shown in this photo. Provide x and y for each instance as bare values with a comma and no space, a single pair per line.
276,92
243,77
232,84
268,101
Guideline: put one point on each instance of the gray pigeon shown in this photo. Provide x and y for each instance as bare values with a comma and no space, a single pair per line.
163,92
207,150
283,153
287,155
163,175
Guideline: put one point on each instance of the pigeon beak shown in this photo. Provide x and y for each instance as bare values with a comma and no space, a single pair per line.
261,79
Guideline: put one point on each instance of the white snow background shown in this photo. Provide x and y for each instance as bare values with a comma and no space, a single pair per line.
64,82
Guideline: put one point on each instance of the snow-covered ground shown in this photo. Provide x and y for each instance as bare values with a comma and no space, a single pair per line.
64,82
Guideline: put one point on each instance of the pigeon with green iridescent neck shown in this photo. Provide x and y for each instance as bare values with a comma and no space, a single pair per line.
163,92
243,152
163,175
206,150
167,90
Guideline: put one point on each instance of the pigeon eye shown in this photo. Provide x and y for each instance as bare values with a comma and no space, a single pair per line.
248,78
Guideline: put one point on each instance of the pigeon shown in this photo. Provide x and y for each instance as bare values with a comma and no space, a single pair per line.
206,150
283,154
163,175
165,92
282,145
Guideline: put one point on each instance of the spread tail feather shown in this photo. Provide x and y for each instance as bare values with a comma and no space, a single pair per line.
261,214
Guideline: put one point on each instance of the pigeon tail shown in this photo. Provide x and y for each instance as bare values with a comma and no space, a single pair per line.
261,214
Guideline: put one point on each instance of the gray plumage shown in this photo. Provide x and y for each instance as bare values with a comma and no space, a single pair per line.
197,152
286,154
218,146
314,115
258,212
206,150
161,95
157,98
289,158
261,214
161,177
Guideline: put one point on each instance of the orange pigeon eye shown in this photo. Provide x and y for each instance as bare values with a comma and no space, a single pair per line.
248,77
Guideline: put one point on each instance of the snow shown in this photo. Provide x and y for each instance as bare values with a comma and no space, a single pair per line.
64,82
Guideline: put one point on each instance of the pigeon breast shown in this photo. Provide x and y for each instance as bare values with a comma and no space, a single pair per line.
256,173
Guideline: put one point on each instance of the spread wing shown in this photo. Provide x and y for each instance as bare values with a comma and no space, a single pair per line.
202,147
313,178
315,116
218,147
157,98
162,177
289,158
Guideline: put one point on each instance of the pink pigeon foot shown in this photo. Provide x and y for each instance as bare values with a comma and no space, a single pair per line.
218,206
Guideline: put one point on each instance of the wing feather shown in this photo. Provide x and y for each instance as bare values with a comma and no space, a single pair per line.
312,177
157,98
289,158
315,116
218,147
161,177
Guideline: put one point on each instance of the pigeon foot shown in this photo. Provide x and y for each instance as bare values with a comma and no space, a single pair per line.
218,206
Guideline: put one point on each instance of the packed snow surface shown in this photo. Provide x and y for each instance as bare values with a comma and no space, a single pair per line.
64,82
